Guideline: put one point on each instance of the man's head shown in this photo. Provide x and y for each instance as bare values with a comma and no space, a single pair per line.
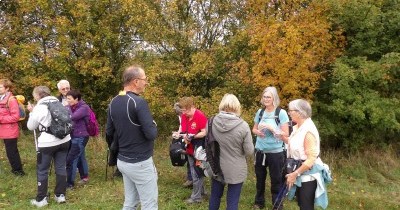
187,106
134,79
63,87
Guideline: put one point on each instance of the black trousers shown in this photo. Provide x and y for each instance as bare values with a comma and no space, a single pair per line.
306,194
59,155
274,162
13,154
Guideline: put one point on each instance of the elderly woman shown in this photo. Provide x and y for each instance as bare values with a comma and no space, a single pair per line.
269,147
9,130
234,138
308,180
49,148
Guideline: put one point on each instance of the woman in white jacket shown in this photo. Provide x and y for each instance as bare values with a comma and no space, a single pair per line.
49,148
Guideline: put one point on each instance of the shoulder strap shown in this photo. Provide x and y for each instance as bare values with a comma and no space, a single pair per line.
277,111
260,115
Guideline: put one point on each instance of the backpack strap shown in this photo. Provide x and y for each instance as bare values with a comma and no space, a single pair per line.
277,111
260,115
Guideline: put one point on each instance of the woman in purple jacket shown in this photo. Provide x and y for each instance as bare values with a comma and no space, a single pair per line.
80,116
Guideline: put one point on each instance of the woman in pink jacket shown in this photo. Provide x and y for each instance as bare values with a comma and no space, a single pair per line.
9,130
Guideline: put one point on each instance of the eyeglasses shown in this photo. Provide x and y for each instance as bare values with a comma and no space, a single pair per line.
144,79
267,97
66,88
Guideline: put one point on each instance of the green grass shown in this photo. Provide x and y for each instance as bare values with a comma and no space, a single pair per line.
367,180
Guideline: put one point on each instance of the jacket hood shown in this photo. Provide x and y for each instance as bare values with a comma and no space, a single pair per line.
225,121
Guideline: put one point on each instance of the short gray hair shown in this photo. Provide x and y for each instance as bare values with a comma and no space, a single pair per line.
230,103
62,82
275,95
131,73
302,106
41,91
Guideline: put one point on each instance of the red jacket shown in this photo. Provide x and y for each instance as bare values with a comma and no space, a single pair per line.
9,116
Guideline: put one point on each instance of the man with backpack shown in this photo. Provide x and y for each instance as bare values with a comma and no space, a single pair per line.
129,117
54,123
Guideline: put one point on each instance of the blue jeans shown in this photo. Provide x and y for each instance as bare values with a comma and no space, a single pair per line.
76,150
83,167
140,184
232,196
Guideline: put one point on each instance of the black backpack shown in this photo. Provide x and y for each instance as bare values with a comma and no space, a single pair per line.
61,124
212,151
175,152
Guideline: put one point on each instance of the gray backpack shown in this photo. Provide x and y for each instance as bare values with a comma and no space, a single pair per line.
61,124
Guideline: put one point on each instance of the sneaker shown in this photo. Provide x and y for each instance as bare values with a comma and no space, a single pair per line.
191,201
60,198
39,203
83,181
188,183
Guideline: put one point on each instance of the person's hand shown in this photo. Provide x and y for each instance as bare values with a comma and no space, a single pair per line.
290,179
260,133
30,107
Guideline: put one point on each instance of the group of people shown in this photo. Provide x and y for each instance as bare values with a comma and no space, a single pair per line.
68,153
273,145
130,127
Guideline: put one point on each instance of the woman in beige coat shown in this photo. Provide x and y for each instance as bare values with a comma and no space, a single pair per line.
234,137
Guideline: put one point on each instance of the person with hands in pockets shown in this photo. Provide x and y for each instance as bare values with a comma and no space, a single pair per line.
269,147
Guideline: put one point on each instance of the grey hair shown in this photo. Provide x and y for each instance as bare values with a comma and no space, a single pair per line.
61,82
177,109
41,91
275,95
131,73
230,103
302,106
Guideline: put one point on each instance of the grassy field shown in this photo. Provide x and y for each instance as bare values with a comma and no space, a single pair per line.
364,180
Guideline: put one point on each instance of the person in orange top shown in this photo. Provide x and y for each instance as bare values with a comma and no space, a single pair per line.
9,130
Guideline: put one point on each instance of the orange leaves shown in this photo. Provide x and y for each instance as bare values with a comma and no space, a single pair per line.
290,53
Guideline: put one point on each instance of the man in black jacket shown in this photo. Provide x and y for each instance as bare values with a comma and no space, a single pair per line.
131,125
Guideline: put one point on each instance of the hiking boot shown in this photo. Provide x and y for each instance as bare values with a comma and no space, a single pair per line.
83,181
188,183
39,203
19,173
257,206
191,201
60,198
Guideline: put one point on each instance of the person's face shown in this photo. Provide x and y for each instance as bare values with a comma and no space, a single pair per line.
188,112
3,90
64,88
71,101
268,99
141,83
294,114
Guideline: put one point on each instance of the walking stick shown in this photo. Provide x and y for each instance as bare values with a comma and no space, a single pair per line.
108,152
281,196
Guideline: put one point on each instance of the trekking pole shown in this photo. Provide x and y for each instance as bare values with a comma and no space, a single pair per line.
281,196
38,156
108,152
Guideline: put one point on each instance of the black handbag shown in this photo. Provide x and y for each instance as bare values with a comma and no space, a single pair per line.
177,152
291,165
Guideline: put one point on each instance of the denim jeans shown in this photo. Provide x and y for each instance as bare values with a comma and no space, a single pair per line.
83,167
76,150
232,195
198,181
140,184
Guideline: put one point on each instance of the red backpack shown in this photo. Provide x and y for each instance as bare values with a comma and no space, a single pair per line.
92,124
